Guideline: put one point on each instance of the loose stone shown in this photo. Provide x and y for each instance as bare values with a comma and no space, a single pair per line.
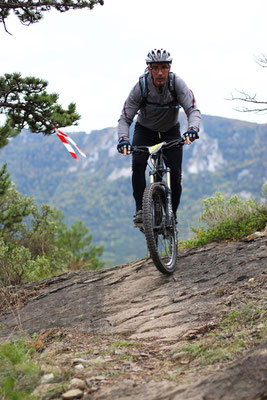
79,366
73,394
78,383
47,378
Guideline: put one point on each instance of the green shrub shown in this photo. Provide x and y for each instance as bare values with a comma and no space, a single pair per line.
229,219
17,265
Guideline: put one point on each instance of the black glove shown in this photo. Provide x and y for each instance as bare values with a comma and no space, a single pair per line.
124,144
192,134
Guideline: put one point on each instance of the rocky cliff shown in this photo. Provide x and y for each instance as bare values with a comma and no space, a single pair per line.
130,332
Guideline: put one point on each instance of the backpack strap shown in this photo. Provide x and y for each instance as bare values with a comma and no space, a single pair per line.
144,92
171,85
144,88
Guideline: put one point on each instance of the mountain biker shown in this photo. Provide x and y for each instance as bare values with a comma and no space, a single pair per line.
158,108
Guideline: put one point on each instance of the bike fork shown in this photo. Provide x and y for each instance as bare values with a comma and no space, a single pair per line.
167,187
169,197
169,212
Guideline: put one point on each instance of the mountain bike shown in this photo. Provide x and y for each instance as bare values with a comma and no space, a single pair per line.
159,225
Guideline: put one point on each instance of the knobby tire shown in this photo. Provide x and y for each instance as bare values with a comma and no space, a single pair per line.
161,240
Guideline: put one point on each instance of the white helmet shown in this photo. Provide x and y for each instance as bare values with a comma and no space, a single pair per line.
158,56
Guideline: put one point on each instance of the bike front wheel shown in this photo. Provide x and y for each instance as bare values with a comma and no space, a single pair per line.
161,237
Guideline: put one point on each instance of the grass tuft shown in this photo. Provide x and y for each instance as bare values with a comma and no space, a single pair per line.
19,374
238,331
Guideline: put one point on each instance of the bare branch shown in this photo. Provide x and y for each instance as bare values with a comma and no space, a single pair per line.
254,110
4,23
261,60
247,98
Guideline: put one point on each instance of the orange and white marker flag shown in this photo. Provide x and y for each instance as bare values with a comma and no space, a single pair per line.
65,139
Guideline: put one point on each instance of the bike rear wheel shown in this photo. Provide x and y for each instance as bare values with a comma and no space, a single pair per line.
161,239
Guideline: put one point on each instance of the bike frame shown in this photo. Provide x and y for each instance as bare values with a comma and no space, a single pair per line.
159,172
158,219
157,175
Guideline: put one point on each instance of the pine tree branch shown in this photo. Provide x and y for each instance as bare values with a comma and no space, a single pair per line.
31,11
26,103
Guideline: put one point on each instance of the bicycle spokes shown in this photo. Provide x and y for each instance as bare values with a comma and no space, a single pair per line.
160,234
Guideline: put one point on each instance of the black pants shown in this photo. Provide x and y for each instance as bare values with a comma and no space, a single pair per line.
172,156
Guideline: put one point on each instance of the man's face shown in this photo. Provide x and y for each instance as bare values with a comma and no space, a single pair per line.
159,72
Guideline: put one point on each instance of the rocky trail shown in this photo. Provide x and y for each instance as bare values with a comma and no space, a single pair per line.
131,333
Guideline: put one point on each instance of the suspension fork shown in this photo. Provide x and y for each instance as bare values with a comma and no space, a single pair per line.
159,169
166,189
169,212
156,175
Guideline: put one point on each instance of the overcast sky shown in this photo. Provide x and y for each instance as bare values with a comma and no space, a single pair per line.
94,58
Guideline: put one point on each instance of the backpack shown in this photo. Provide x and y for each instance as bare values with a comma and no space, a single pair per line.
171,87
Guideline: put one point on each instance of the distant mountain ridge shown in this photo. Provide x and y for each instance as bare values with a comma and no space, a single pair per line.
230,157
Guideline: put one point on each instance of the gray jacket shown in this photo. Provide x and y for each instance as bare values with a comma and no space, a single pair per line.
158,119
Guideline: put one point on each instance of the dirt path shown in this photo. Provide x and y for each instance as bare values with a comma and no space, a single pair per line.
137,334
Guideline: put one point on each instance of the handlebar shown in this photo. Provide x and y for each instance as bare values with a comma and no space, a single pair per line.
145,149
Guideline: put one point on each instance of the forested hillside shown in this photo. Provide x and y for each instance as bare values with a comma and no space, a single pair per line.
229,157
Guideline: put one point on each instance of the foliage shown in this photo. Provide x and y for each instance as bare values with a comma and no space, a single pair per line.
78,242
246,315
17,264
6,132
229,219
19,374
14,206
39,235
26,103
4,180
66,248
35,242
30,11
122,344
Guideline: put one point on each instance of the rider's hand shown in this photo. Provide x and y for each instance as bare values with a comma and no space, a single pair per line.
190,136
124,146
